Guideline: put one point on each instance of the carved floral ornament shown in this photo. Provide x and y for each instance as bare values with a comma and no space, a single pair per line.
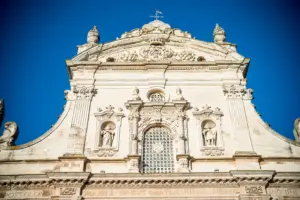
209,127
107,131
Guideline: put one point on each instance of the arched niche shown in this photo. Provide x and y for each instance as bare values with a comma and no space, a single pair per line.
107,135
209,131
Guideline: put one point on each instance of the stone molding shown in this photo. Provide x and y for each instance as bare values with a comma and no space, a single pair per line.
167,65
249,183
77,179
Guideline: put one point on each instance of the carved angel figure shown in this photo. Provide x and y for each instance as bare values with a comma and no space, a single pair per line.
297,130
210,134
9,135
107,136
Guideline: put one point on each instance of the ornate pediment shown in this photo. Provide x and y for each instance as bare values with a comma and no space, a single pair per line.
157,41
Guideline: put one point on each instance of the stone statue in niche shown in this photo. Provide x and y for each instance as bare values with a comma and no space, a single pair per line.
107,135
297,130
209,133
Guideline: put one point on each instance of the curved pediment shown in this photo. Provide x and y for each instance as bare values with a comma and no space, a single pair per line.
157,41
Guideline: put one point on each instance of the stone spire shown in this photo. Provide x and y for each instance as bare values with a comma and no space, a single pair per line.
93,36
219,35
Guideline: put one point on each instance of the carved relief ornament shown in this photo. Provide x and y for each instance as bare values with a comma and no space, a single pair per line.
107,131
151,53
237,92
209,128
83,92
148,114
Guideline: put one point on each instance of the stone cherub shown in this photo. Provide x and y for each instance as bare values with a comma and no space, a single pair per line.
297,130
9,135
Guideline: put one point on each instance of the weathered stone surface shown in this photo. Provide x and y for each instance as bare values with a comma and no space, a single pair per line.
156,76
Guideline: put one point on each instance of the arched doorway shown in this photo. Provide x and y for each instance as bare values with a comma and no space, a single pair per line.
158,151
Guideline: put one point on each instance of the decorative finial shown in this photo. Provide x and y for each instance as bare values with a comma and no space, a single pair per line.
135,94
219,35
206,107
179,95
156,16
93,36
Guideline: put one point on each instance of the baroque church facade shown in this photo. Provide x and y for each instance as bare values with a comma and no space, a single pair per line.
155,114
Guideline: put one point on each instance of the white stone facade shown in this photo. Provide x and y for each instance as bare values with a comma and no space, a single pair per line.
156,76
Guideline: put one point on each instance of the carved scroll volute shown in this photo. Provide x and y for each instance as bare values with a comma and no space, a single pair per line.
134,107
209,126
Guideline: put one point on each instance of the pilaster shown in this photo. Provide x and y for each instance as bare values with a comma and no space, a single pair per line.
235,94
82,96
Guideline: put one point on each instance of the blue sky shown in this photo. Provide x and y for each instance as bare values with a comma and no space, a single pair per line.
38,36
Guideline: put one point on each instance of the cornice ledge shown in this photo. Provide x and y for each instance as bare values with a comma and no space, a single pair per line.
70,63
252,173
252,177
121,180
286,178
68,175
29,161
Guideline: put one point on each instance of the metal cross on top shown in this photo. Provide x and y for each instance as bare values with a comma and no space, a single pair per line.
156,16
